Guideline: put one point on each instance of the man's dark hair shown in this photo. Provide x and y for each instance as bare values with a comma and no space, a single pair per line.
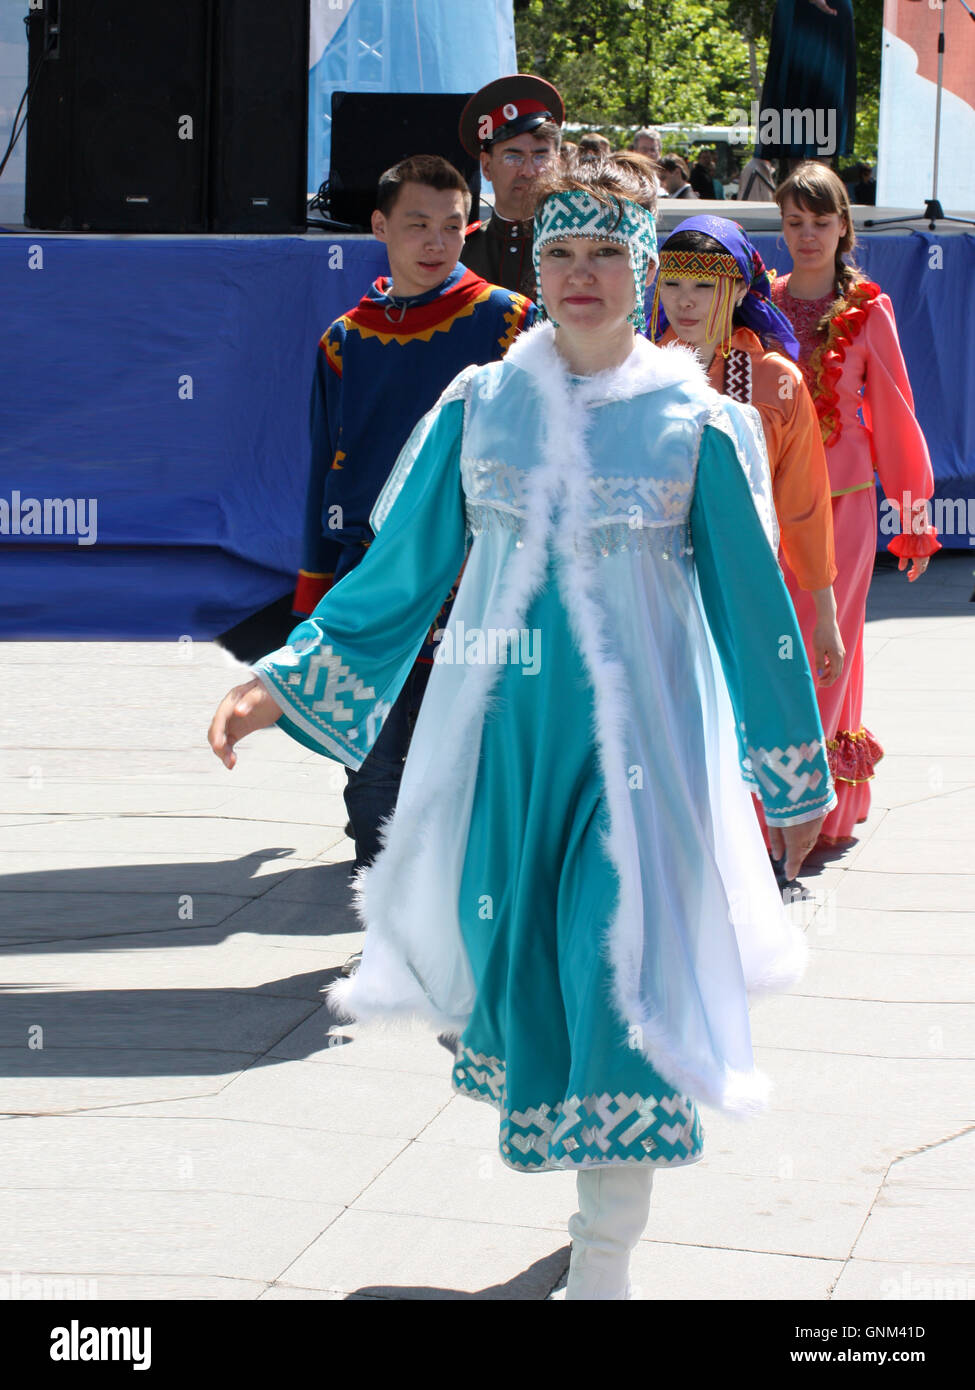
596,144
428,169
671,162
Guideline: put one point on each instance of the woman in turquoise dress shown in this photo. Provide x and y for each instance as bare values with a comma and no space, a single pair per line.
573,884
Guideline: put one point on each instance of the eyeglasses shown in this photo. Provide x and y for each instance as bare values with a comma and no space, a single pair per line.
511,160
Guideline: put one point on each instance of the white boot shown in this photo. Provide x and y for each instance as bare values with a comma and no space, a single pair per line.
614,1204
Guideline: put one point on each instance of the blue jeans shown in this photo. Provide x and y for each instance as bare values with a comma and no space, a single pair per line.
371,792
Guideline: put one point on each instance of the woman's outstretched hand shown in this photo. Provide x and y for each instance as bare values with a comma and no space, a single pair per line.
829,652
822,5
239,713
793,842
918,565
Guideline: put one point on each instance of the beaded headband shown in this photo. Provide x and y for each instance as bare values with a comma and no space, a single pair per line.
697,265
575,213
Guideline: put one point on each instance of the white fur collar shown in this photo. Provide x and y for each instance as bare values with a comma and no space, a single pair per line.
648,367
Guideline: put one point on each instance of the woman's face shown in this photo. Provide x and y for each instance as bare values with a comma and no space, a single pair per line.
587,285
687,304
812,237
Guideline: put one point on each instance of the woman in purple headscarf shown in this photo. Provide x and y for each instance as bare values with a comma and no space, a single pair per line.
713,293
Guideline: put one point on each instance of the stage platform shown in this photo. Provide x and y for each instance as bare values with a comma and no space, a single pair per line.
165,382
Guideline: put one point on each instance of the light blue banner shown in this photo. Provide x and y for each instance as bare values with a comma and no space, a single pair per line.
13,80
401,46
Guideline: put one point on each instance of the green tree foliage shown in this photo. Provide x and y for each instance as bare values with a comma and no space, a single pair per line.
638,62
629,62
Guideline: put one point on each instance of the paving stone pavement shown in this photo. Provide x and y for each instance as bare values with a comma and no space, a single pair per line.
183,1119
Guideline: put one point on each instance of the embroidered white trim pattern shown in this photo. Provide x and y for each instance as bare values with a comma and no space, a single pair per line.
583,1131
738,376
318,713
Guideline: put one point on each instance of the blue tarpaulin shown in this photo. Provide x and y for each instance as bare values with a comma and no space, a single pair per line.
169,380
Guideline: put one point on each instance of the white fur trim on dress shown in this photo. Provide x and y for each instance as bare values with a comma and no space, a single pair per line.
567,420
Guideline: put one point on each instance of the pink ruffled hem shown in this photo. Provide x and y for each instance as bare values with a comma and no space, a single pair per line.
853,756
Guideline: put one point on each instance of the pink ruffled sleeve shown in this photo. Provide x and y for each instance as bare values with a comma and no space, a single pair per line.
900,452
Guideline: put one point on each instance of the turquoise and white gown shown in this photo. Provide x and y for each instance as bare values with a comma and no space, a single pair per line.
574,883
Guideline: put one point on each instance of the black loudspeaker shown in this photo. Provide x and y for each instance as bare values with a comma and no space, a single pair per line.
373,130
259,145
168,115
117,127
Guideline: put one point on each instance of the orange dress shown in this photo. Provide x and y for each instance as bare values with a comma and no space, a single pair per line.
774,385
800,481
797,460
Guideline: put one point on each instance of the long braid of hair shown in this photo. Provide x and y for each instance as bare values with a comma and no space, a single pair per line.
845,278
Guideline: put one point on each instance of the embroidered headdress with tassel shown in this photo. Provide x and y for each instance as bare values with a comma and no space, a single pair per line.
575,213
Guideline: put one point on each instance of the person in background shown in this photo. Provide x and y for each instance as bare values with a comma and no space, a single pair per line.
861,184
851,358
647,143
756,182
594,144
379,367
733,174
514,125
675,177
812,65
704,180
713,293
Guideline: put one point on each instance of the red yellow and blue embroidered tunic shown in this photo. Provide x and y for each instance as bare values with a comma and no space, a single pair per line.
380,367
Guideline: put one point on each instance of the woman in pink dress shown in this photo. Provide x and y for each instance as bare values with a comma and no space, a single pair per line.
854,368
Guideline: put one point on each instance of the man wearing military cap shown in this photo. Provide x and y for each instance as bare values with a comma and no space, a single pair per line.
514,125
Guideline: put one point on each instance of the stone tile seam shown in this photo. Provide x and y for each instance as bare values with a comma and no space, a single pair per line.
187,813
909,955
345,1207
872,1056
908,1153
741,1250
117,1191
871,999
98,1113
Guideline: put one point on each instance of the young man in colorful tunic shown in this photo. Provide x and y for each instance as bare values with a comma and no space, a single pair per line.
379,368
514,126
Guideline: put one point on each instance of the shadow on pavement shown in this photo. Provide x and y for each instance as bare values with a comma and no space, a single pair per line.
62,910
163,1032
533,1284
